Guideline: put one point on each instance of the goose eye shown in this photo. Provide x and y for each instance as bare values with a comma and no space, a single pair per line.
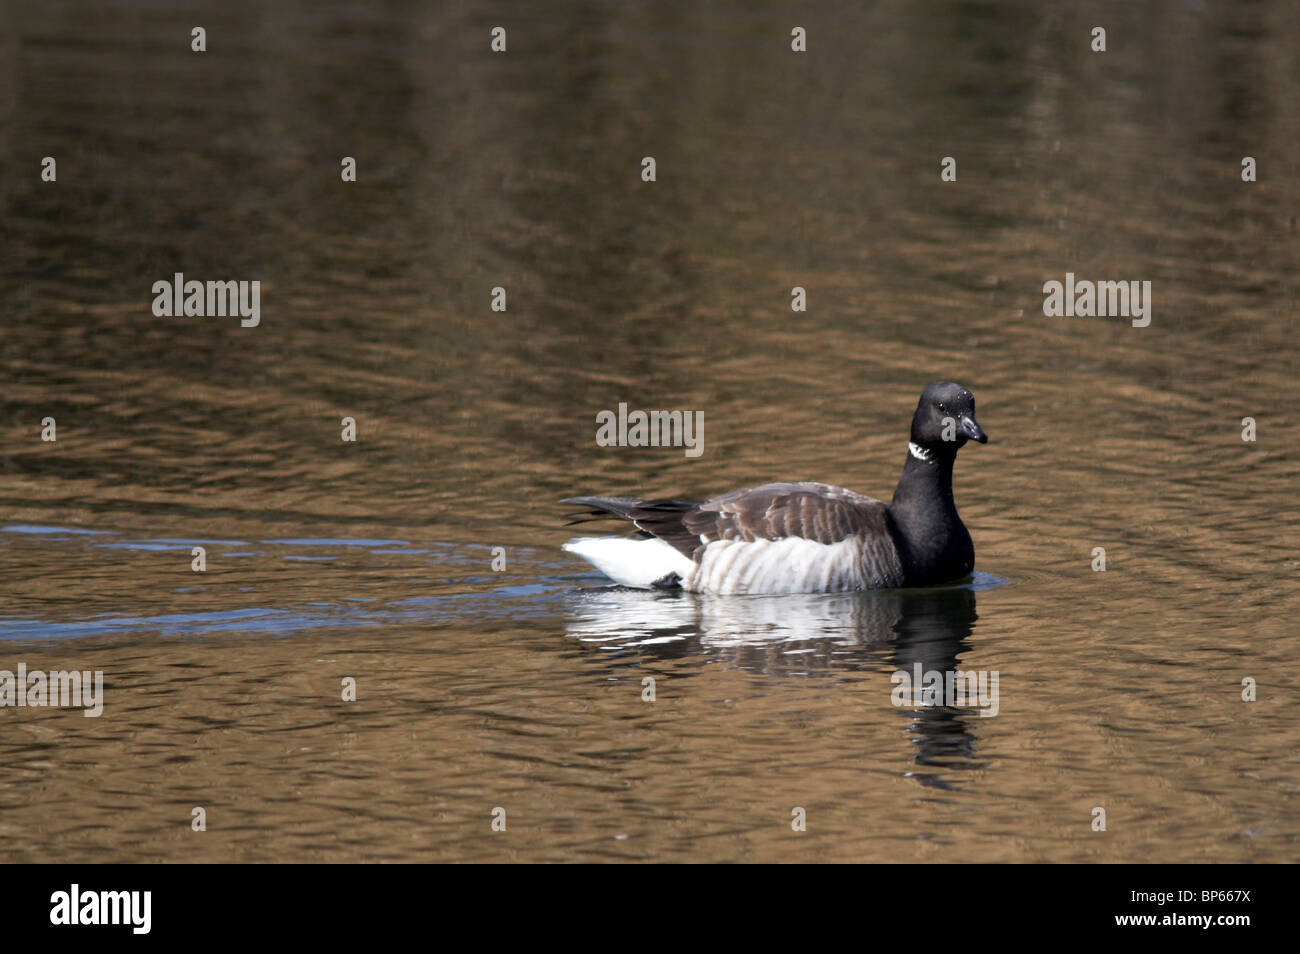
943,409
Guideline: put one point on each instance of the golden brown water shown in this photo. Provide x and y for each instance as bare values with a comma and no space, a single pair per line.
522,688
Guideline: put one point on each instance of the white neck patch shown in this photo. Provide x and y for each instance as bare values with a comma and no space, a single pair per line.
919,452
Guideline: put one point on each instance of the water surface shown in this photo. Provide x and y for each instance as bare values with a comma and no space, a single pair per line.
522,687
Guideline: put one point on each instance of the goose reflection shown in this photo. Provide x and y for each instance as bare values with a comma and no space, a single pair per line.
882,631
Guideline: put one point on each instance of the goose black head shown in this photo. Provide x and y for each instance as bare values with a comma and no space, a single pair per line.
945,419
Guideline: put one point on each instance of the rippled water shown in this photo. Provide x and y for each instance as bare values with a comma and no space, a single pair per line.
522,687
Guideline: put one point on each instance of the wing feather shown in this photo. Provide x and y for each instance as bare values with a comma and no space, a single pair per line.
810,511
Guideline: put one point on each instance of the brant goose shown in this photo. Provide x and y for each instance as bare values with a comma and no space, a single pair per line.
803,537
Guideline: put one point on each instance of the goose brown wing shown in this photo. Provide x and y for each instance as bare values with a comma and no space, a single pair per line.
810,511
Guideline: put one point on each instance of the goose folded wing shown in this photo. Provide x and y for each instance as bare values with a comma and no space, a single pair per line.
809,511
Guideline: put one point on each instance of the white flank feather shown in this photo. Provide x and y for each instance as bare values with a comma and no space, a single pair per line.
770,567
631,561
